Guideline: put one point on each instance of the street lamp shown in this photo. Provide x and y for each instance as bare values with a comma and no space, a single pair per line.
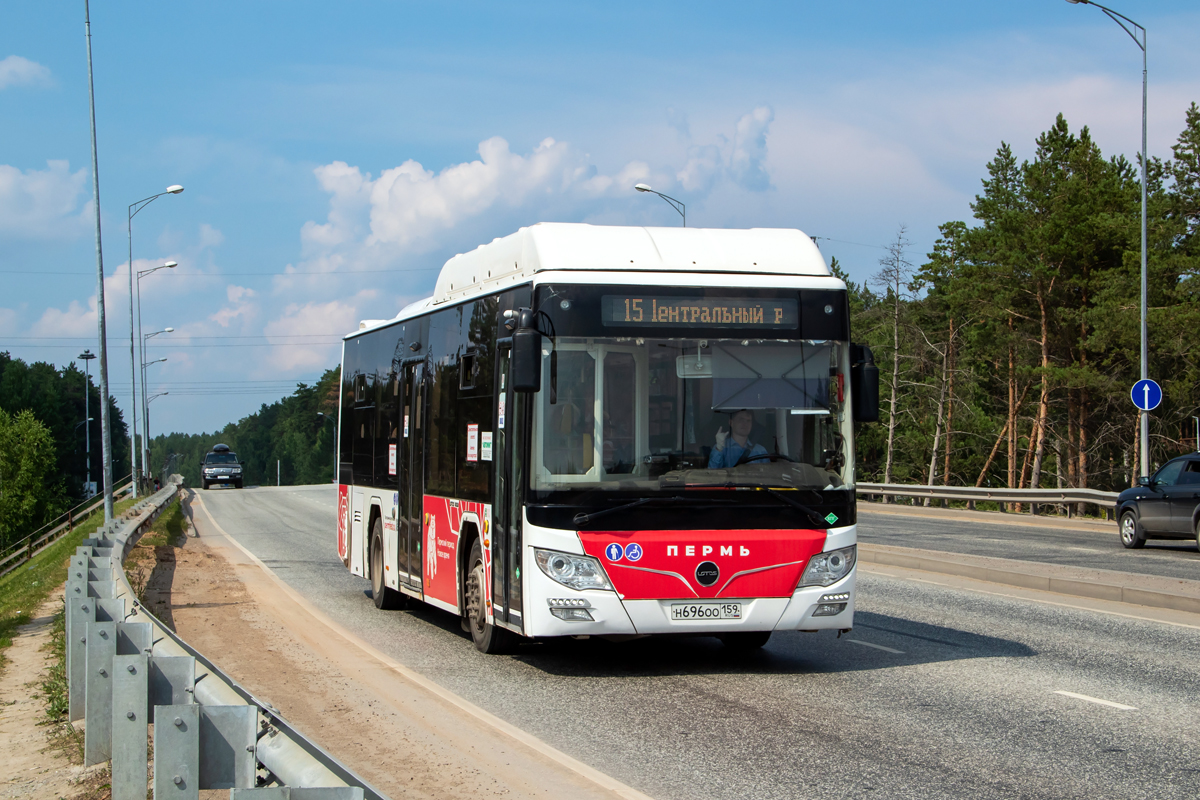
86,356
142,355
145,401
671,201
146,417
1121,19
134,208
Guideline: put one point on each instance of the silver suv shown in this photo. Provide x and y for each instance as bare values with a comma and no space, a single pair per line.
221,465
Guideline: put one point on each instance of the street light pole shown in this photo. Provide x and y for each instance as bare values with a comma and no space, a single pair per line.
134,208
86,356
146,416
106,430
671,201
145,402
142,342
1144,416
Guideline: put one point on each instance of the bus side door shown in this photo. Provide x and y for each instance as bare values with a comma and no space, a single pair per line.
508,479
411,473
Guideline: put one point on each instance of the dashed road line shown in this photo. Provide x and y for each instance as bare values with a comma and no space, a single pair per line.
1097,700
876,646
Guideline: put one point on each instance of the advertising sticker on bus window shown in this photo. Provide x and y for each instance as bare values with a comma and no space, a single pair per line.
472,443
485,446
391,459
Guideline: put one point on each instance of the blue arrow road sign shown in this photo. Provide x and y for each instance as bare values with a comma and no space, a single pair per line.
1146,395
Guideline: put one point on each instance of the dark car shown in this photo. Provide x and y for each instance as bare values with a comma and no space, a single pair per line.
1165,506
221,465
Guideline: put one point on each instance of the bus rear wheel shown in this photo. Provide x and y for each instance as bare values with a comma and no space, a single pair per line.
488,638
385,599
745,640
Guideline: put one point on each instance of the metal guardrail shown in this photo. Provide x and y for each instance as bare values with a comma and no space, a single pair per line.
1034,497
126,669
21,551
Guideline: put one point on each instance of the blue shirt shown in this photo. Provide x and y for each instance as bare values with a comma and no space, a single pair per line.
733,452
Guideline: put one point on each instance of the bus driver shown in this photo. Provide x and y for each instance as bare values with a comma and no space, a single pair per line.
734,445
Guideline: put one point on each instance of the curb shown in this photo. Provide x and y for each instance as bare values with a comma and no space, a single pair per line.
1175,594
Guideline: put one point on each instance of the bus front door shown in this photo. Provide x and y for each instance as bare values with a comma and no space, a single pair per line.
411,469
508,477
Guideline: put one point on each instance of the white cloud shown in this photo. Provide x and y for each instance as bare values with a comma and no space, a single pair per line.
74,321
410,209
18,71
236,293
409,202
335,318
750,149
8,321
38,204
210,236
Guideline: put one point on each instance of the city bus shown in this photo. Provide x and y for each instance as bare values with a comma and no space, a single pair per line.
611,431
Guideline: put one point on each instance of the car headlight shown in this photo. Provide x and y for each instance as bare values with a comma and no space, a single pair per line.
577,572
828,568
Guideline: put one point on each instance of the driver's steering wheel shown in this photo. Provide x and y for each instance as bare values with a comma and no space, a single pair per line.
748,457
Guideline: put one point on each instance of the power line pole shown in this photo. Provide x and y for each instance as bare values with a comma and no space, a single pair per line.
105,430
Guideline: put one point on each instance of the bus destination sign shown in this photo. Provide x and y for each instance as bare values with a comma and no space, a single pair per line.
698,312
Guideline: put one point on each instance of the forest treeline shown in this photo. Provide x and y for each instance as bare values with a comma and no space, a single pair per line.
289,431
43,444
1007,357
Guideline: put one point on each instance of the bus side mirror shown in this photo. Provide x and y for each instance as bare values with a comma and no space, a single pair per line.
864,384
526,354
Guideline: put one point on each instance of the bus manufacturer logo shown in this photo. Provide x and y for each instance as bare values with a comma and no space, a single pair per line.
707,573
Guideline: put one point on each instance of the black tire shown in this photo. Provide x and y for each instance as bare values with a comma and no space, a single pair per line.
1132,535
238,485
745,640
487,637
1198,534
204,485
385,599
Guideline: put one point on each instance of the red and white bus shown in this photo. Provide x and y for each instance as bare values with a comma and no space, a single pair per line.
611,431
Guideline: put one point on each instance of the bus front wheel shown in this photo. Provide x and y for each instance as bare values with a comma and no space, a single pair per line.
488,638
385,599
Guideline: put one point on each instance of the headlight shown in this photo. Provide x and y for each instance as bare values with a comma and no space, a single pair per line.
577,572
827,568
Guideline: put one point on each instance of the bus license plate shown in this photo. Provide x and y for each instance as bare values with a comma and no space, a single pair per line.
706,611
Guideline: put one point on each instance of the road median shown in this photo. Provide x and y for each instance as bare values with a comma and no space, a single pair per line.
1176,594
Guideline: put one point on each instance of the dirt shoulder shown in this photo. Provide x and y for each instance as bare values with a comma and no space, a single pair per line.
34,764
406,736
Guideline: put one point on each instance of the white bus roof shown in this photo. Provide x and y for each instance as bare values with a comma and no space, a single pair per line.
571,246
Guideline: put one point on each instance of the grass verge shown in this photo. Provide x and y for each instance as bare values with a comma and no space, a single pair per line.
26,588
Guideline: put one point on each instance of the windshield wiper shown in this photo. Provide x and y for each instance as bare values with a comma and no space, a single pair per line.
776,492
584,518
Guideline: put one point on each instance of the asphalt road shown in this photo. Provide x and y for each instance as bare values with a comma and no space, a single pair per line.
1049,545
937,693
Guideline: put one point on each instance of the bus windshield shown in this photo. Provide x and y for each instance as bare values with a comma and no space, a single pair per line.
649,414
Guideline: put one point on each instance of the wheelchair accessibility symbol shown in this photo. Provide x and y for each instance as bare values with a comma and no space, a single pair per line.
633,551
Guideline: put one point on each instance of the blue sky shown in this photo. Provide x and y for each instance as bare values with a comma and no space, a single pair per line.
334,155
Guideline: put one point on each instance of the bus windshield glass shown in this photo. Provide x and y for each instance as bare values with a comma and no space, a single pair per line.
647,413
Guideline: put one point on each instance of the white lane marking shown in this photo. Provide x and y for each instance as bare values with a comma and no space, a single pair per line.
865,568
486,717
1090,699
876,646
1087,549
